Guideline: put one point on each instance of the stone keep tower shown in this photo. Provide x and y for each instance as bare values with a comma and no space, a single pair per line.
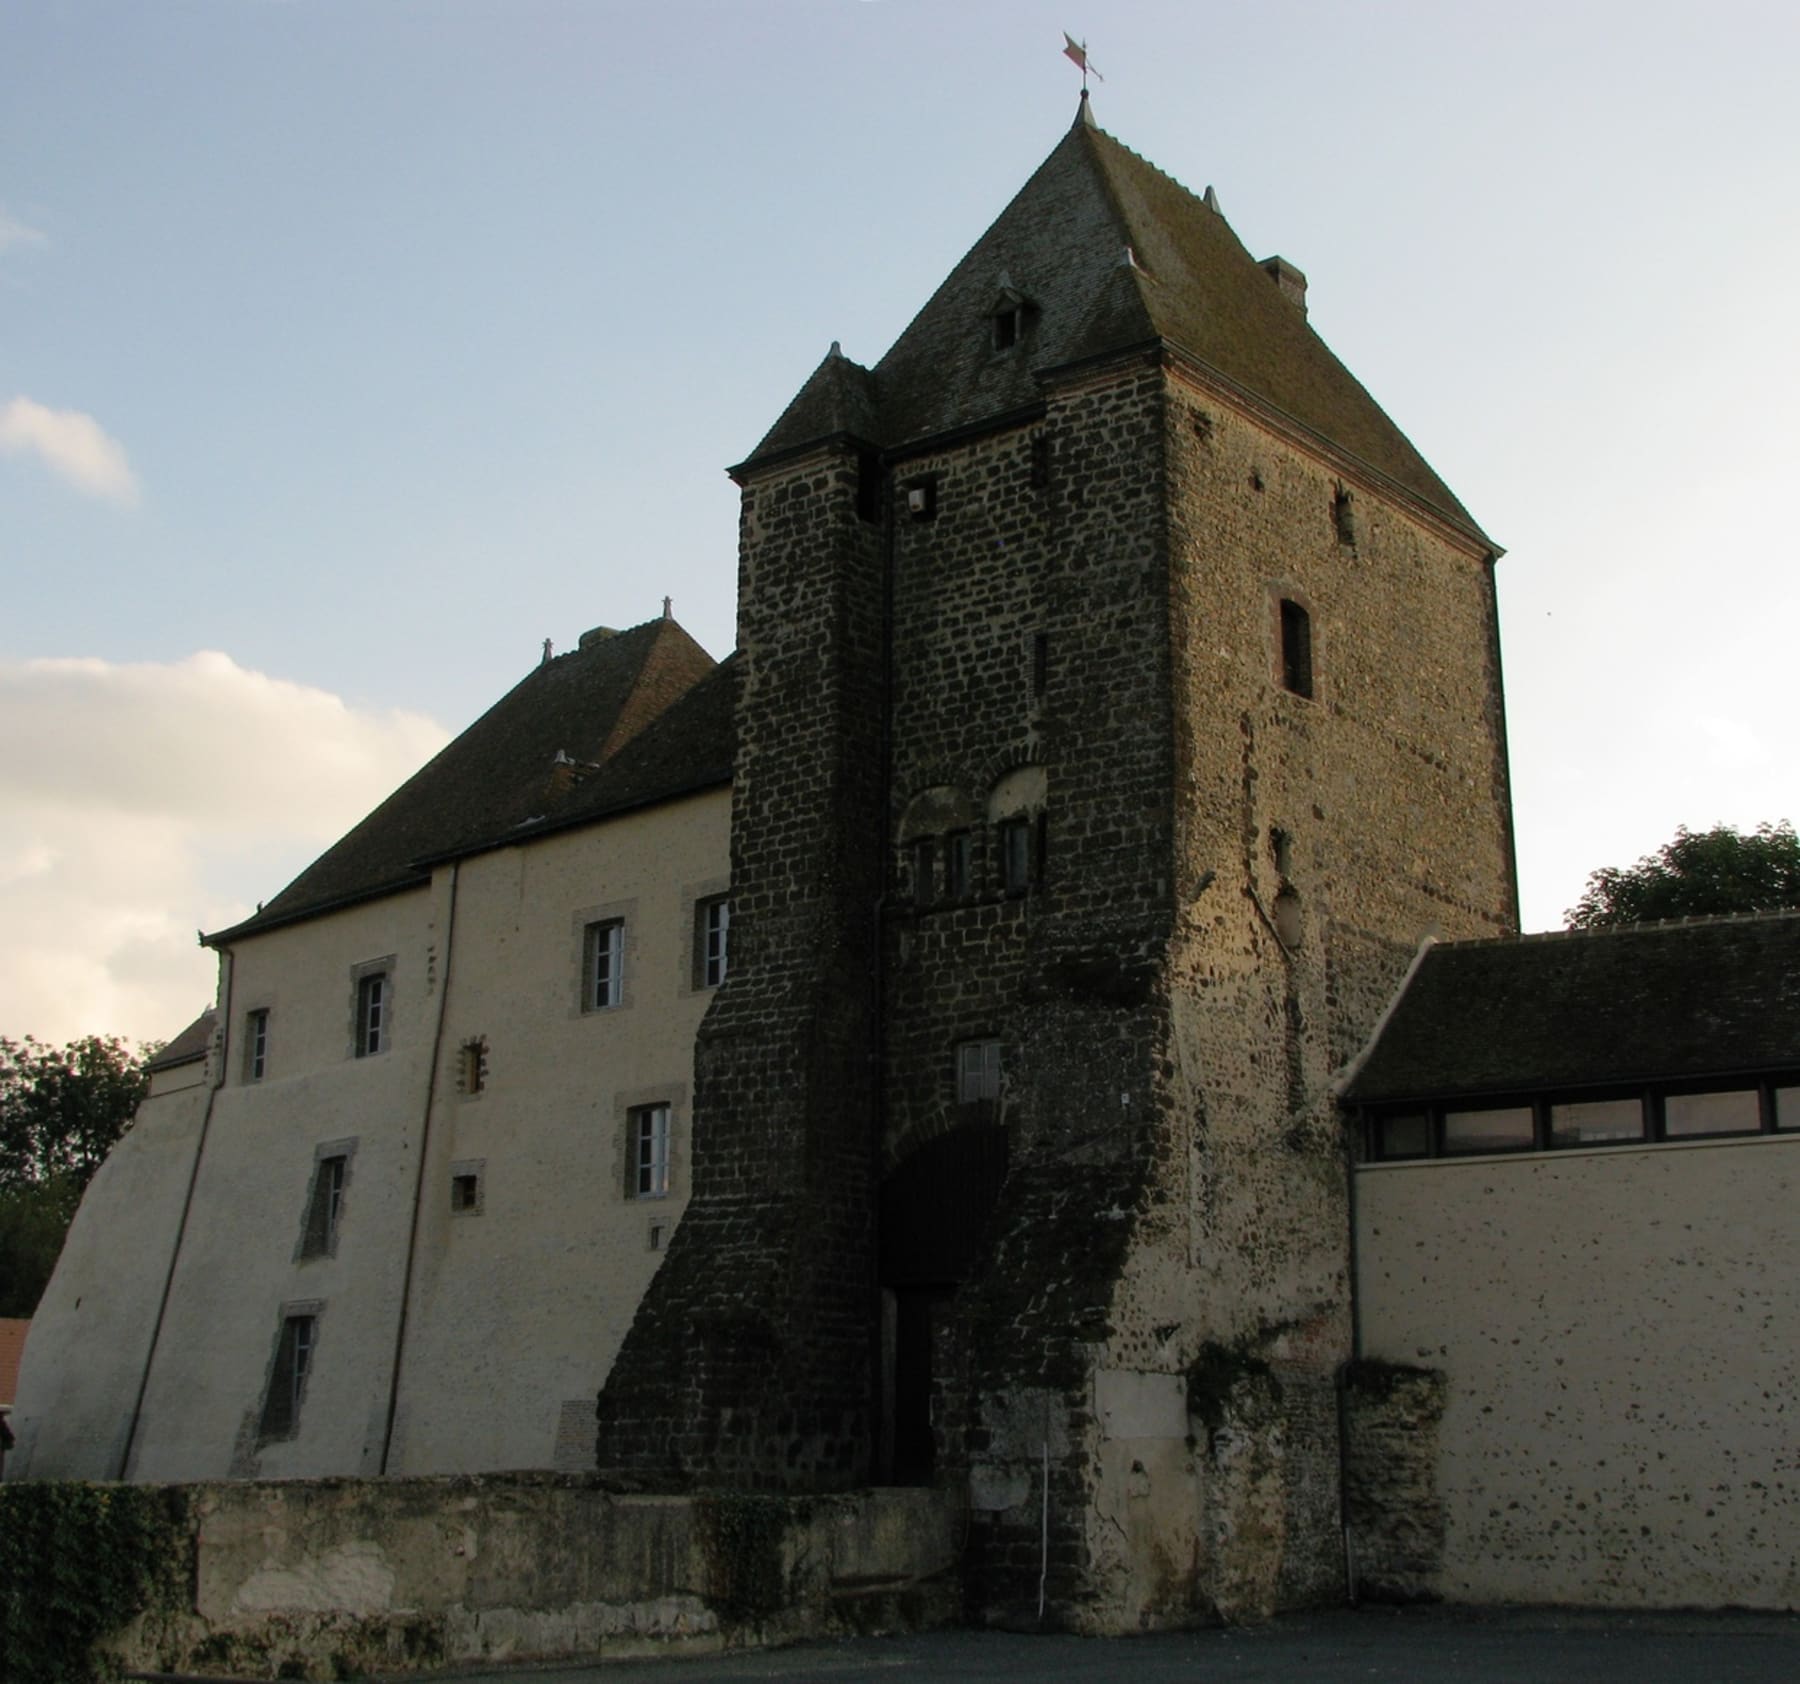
1119,708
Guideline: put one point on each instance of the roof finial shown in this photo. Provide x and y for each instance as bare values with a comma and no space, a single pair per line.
668,606
547,653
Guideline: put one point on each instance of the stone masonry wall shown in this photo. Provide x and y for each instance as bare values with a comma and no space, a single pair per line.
1030,642
749,1361
349,1578
1318,840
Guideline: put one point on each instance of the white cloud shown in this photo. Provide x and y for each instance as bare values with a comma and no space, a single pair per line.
72,445
139,803
13,232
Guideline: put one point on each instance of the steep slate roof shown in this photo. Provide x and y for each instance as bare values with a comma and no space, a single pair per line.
1654,1002
501,777
1062,243
189,1045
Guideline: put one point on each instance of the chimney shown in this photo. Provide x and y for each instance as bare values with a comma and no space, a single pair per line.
1291,280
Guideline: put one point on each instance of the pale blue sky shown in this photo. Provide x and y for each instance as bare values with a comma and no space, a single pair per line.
422,330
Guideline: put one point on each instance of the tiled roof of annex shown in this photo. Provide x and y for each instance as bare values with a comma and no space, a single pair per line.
1686,1000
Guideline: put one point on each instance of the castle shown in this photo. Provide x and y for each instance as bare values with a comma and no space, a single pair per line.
913,1051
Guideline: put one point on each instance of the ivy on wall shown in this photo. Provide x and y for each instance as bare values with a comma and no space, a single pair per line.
78,1562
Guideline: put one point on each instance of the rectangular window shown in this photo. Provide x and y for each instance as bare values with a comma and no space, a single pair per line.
924,870
712,931
471,1066
603,966
1787,1108
371,1014
1016,862
256,1045
1686,1115
323,1205
287,1380
956,865
1405,1136
1296,648
649,1151
1596,1122
1503,1129
465,1194
977,1071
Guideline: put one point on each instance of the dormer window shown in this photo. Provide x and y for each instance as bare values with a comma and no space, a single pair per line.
1009,315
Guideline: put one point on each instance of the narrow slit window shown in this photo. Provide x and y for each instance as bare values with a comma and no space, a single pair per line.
1296,648
256,1045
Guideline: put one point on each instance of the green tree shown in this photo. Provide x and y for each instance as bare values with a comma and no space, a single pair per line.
1699,874
61,1110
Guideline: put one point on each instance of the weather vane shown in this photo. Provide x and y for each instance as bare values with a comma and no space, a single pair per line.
1077,50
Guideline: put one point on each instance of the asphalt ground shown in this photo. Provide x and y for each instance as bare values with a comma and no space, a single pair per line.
1349,1646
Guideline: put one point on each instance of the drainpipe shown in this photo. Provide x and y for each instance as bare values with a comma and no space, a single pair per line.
216,1080
1343,1390
412,1237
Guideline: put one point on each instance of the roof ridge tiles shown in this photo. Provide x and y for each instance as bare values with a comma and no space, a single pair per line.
1643,927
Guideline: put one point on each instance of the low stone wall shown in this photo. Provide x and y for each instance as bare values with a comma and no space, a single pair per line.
336,1578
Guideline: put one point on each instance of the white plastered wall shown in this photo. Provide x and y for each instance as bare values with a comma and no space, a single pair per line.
239,1264
84,1356
518,1310
514,1313
1620,1330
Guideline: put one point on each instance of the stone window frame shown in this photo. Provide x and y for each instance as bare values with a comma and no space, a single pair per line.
293,1360
650,1146
584,922
471,1067
254,1067
468,1186
322,1216
628,1104
361,976
696,898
